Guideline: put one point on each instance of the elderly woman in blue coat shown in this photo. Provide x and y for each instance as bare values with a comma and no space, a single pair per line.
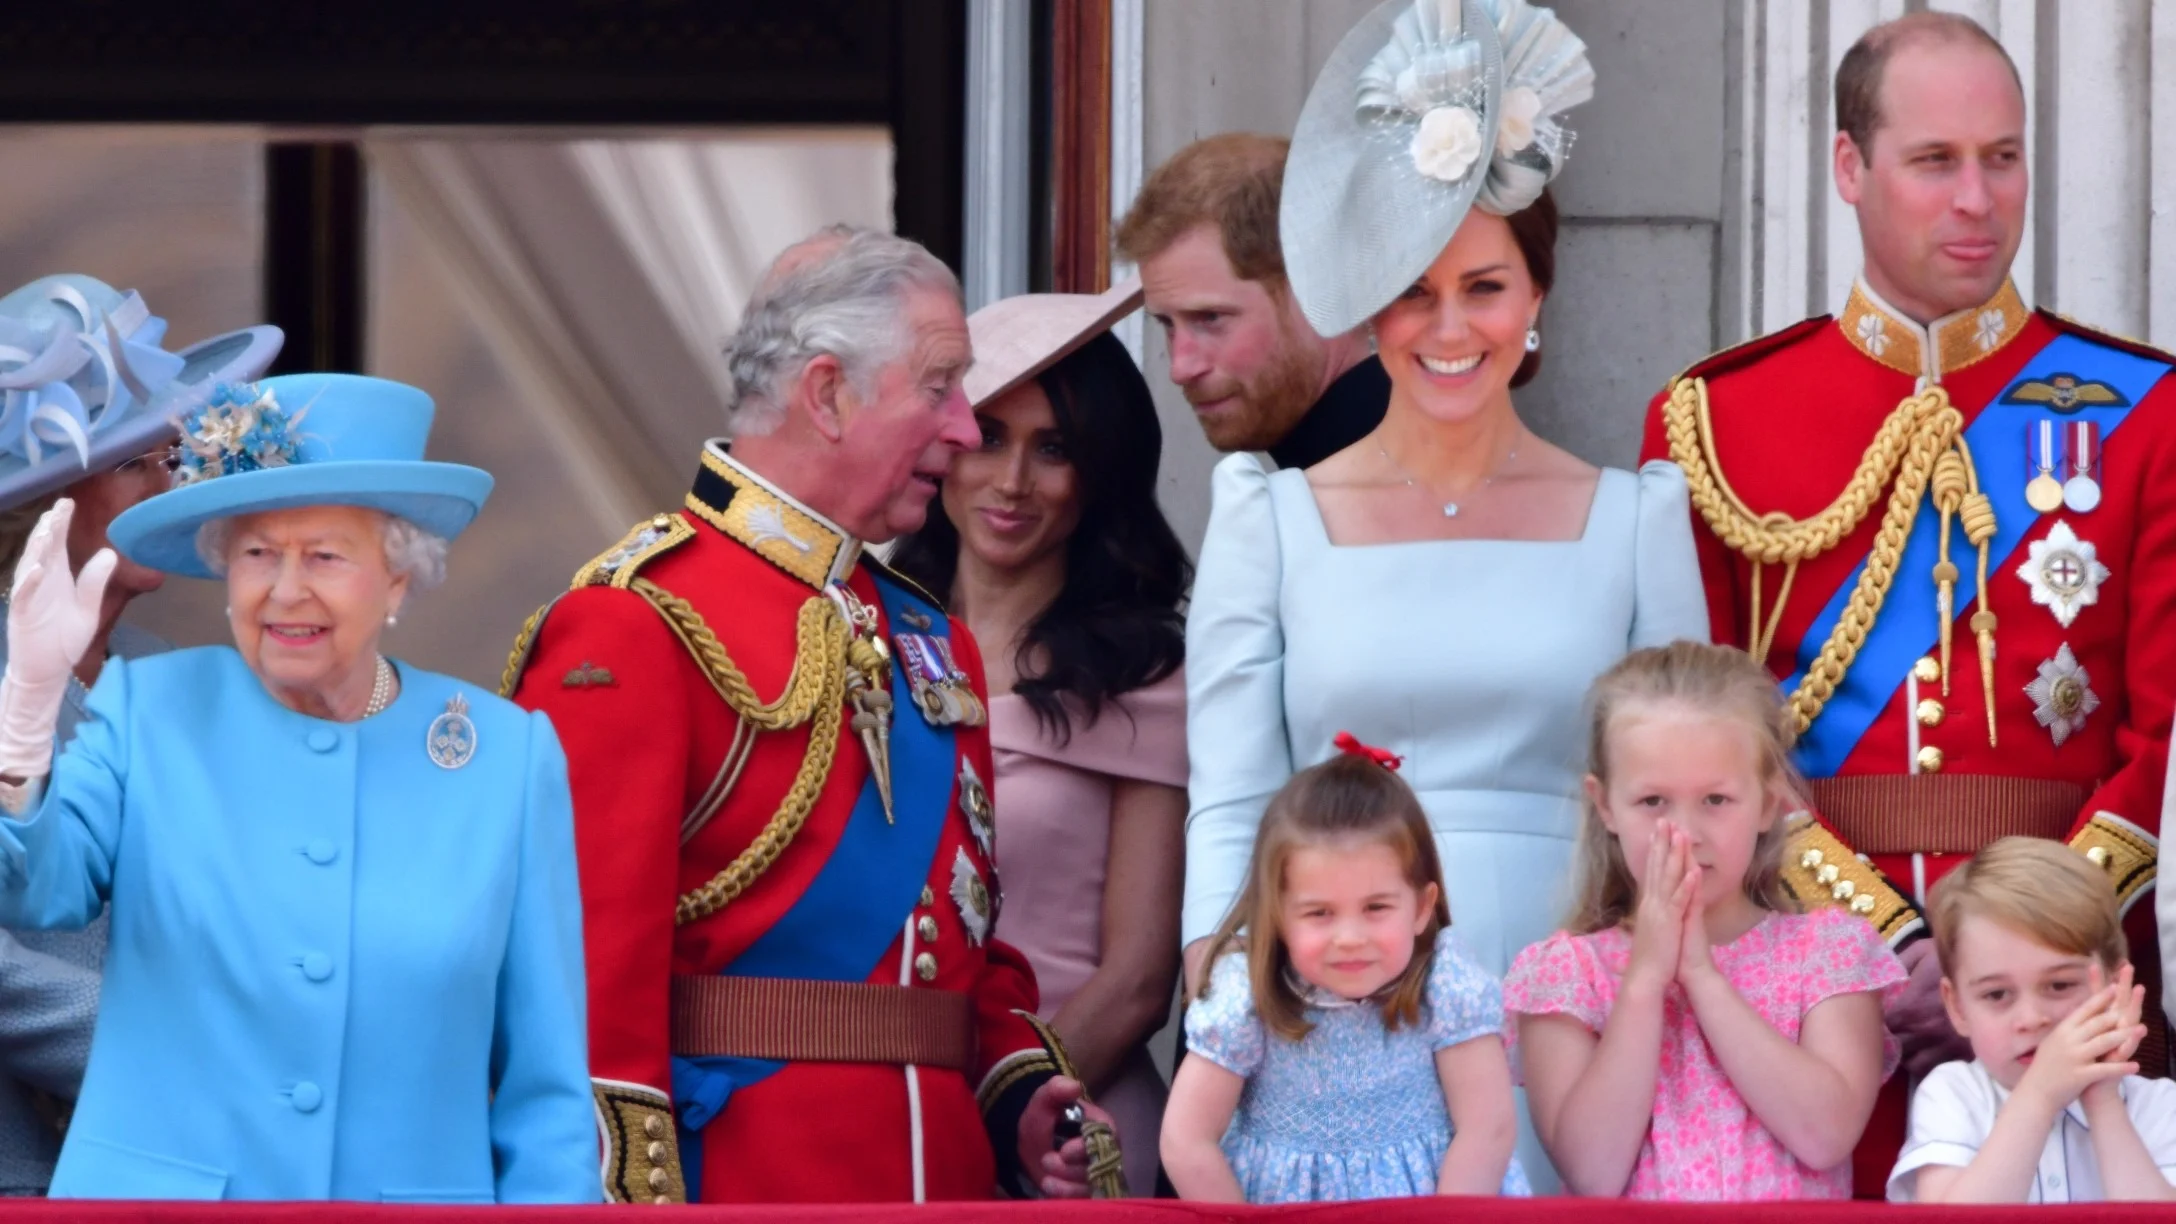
346,957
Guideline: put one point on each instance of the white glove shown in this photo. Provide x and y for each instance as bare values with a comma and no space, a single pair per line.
52,614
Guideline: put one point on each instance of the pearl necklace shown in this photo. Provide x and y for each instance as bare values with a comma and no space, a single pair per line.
381,689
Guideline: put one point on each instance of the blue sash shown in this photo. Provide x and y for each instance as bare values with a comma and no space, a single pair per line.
858,903
1909,625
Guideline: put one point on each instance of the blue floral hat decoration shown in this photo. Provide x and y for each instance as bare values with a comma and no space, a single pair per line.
86,385
1426,109
300,440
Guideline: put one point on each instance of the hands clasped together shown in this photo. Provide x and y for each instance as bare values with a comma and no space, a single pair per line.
2087,1054
1669,931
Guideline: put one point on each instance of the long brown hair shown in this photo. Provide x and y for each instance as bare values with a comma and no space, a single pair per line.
1716,680
1345,800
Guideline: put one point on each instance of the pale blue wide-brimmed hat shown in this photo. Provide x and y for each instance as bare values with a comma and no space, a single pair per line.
86,385
300,440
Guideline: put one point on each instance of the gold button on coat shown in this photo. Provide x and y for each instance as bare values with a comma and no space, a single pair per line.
657,1152
659,1179
2097,855
1930,759
1862,904
654,1127
1927,670
928,898
925,967
1930,713
927,929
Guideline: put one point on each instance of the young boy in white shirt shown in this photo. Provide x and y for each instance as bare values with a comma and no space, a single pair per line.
2051,1108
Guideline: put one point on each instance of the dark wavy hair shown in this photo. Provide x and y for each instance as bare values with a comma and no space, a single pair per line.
1116,625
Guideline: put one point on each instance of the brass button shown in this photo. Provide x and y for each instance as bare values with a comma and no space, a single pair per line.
654,1127
1843,890
1862,904
925,967
928,898
657,1152
1828,874
1930,713
927,928
1810,859
1927,670
1930,759
659,1179
2098,856
661,1201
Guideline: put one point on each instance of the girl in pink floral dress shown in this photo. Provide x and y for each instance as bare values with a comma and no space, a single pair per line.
1693,1036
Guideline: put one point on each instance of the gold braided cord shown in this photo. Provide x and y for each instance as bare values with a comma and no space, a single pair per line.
820,639
817,686
1908,447
519,655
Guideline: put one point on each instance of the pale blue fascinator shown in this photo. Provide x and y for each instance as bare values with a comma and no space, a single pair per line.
86,384
1426,109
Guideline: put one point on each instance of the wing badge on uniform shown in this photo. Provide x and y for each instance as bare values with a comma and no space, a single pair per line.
2066,393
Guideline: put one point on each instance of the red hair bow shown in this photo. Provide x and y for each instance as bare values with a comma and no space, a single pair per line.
1381,756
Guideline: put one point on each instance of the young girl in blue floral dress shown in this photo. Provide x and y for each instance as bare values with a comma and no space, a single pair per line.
1345,1049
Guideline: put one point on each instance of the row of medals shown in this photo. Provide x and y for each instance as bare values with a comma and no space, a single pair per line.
2070,446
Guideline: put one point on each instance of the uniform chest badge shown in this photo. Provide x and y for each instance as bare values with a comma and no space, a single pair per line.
975,802
941,690
2066,393
977,908
2064,573
451,740
2062,695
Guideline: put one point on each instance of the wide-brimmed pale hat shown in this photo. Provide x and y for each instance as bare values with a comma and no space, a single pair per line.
1019,337
1426,109
301,440
86,385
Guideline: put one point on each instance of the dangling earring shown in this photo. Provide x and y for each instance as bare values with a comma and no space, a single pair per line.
1533,339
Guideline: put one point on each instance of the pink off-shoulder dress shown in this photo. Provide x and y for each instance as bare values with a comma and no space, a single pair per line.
1705,1144
1053,805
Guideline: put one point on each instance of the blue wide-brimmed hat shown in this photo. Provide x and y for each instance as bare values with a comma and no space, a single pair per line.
85,384
300,440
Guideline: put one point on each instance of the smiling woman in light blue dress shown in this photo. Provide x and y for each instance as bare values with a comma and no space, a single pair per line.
1447,587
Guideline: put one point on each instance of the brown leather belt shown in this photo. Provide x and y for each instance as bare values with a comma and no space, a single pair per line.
1943,813
799,1021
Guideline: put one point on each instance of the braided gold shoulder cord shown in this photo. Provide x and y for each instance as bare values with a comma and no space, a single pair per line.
817,683
1920,442
816,686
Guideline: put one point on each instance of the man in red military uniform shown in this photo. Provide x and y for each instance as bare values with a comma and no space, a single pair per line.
779,762
1947,523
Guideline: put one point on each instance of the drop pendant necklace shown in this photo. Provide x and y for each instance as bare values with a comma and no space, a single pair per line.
1450,508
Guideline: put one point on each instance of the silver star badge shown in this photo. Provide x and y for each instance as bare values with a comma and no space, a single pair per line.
2062,695
972,897
2064,573
975,802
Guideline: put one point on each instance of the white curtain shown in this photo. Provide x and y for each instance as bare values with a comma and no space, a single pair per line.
608,272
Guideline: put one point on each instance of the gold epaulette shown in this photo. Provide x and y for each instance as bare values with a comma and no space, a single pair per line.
642,1153
1820,869
2126,852
617,566
648,540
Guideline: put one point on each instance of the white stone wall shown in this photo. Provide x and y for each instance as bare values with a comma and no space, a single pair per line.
1699,208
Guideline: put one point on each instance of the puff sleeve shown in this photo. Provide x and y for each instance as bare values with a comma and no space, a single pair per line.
1223,1026
1671,602
1235,727
1465,1001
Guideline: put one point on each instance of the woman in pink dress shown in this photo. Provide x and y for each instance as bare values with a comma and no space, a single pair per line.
1049,543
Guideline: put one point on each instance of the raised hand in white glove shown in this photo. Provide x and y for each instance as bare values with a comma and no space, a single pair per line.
52,615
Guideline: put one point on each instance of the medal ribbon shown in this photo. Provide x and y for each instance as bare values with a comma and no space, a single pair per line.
2044,460
1909,623
2084,447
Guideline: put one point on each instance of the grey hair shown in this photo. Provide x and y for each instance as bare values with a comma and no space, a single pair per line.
409,550
839,292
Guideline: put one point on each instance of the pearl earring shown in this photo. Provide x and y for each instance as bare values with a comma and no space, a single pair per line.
1533,339
392,619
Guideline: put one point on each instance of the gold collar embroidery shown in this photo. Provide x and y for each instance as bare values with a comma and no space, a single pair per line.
1945,346
769,522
